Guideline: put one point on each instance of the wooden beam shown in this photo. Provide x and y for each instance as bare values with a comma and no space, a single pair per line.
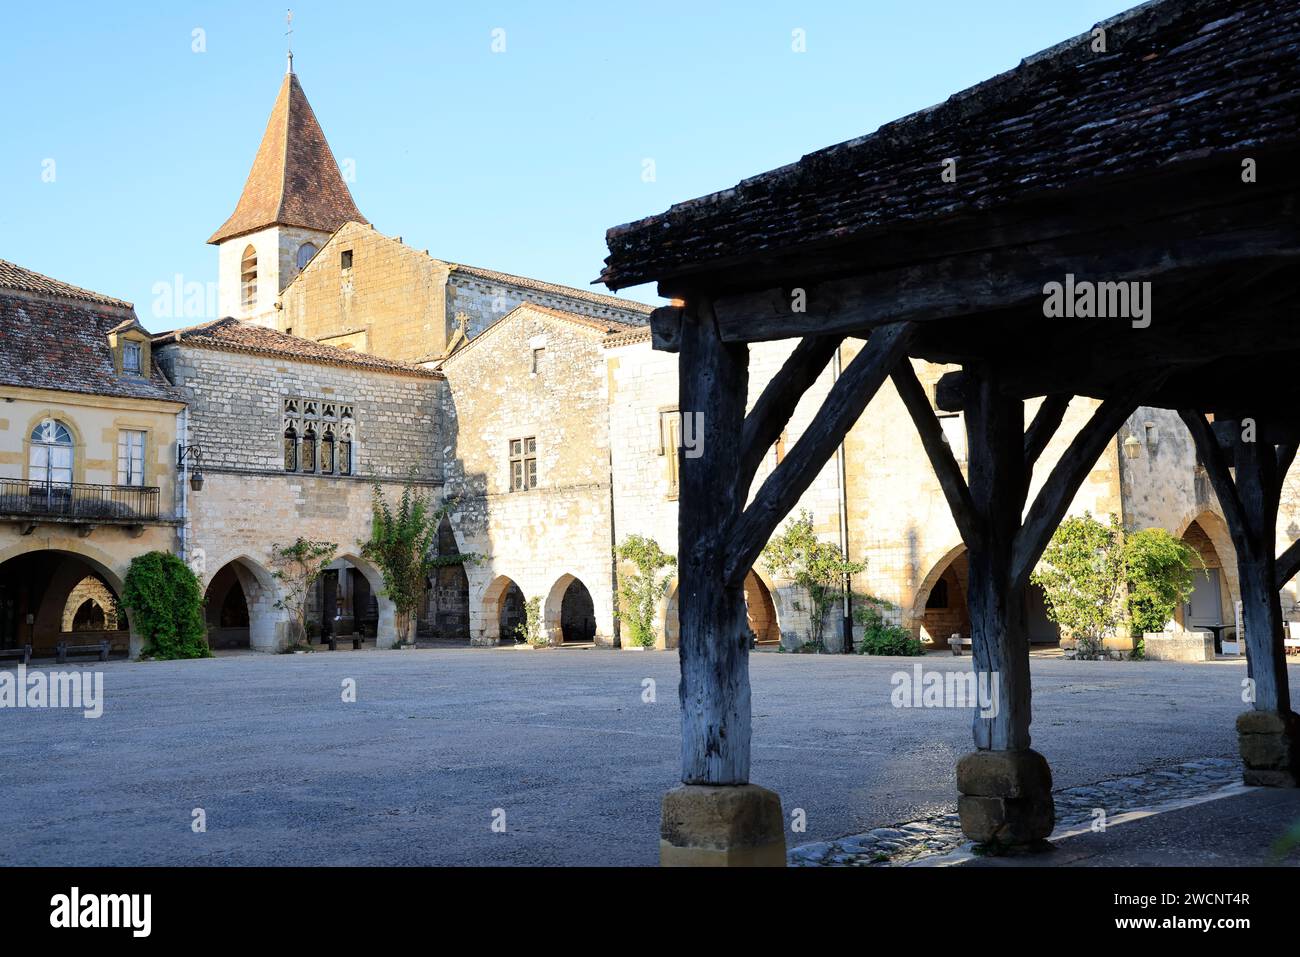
1217,468
666,329
988,280
945,466
1053,499
771,413
842,407
1046,421
1287,565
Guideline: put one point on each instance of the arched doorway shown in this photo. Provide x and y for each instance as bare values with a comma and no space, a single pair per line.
760,611
570,613
760,614
941,610
504,610
448,606
49,596
226,609
1210,604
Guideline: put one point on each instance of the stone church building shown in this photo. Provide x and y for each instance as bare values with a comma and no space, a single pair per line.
346,359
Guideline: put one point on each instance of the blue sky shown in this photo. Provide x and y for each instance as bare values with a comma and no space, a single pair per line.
517,160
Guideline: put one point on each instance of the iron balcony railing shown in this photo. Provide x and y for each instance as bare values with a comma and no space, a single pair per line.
74,500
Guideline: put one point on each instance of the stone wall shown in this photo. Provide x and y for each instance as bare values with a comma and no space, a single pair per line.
236,411
540,538
389,303
482,300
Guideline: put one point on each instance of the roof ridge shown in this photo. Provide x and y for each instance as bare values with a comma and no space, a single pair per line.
21,279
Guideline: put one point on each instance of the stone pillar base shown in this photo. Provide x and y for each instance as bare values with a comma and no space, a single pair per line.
1006,797
738,825
1270,748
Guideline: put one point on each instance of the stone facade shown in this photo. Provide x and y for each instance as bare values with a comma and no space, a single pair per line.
535,375
250,503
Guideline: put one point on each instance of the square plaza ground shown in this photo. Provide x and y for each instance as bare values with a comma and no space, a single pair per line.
438,741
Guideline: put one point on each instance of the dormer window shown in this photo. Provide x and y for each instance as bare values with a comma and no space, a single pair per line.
132,358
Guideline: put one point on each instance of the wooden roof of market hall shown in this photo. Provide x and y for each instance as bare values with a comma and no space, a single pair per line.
1180,81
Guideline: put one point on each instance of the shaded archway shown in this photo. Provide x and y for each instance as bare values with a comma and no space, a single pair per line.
570,612
1211,602
349,599
448,606
240,607
760,611
940,611
91,606
760,614
503,610
48,596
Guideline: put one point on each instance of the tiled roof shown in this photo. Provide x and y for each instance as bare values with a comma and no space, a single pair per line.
602,327
295,180
1180,82
628,338
236,336
55,336
613,302
13,276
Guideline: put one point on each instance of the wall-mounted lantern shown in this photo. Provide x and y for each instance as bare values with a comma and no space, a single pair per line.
192,453
1132,447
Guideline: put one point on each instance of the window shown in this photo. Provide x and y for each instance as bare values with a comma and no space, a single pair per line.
345,457
670,445
523,464
132,358
327,452
345,259
248,278
309,449
130,457
954,433
50,459
537,359
305,252
318,436
291,449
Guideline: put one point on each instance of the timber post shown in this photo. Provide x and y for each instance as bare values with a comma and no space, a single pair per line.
716,817
1258,452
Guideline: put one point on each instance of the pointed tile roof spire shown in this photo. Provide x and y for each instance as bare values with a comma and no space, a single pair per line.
295,180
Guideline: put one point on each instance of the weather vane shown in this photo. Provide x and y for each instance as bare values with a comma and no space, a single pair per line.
288,37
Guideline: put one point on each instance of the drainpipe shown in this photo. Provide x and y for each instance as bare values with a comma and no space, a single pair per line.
847,623
182,429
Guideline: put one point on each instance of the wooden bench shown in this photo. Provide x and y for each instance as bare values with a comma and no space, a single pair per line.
957,643
356,641
66,648
23,651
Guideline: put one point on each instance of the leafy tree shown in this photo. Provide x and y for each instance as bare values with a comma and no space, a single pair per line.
814,565
1082,574
1160,570
166,605
639,593
297,567
403,547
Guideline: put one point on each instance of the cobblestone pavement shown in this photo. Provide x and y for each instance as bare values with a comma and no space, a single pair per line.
1075,808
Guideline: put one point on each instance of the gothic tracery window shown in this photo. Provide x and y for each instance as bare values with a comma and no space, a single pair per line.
319,436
